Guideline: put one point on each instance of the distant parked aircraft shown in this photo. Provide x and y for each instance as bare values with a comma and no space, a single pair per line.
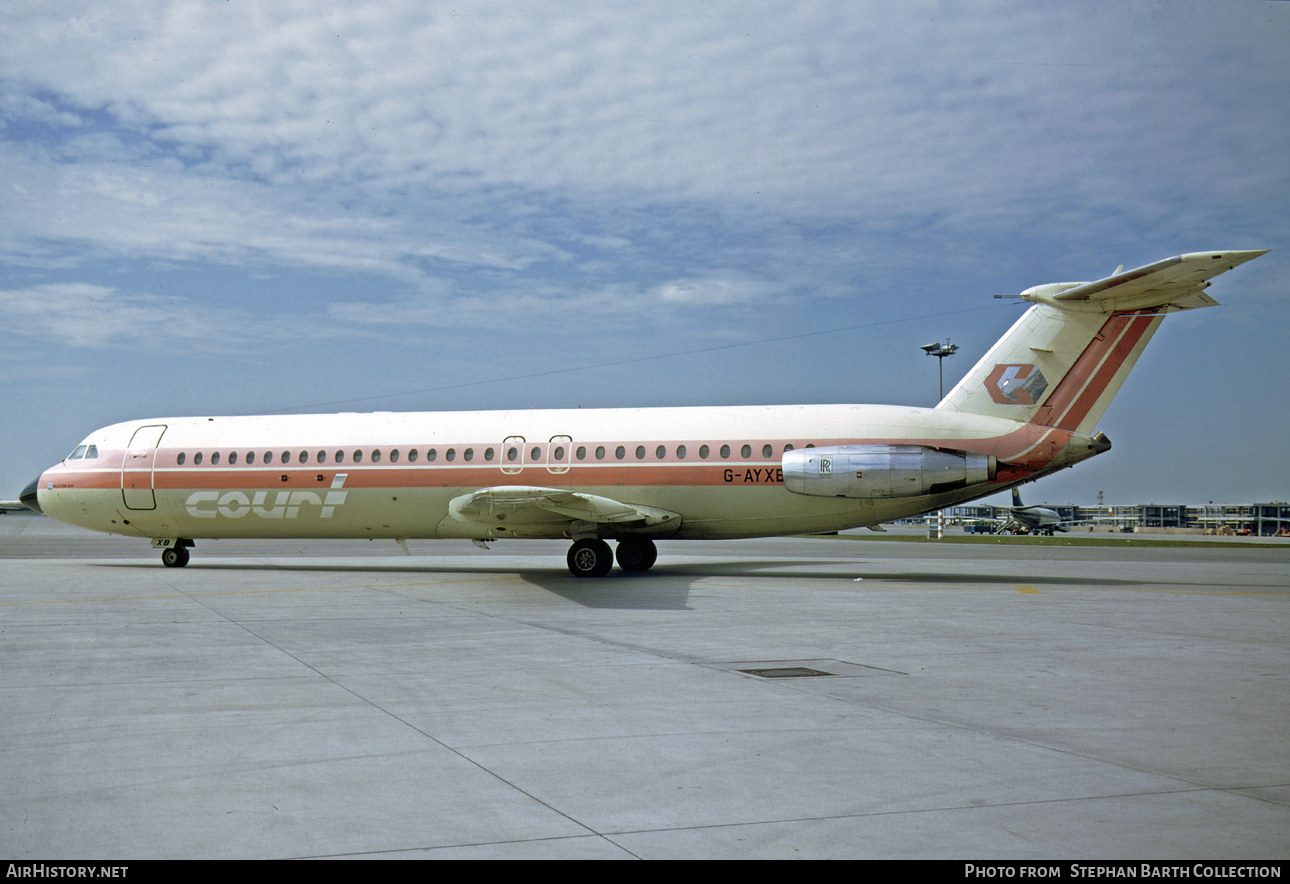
1034,519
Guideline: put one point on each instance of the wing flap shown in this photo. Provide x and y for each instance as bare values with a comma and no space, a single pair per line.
524,505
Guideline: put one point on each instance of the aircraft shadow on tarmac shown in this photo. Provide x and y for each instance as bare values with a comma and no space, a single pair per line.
667,586
644,591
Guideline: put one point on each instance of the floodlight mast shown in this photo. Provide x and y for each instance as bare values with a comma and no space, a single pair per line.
940,351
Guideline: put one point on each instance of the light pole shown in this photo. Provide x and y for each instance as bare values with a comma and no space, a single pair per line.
940,352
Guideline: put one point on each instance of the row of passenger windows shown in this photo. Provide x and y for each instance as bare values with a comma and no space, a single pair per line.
512,455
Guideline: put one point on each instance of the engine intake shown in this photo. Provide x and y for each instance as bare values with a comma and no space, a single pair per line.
883,471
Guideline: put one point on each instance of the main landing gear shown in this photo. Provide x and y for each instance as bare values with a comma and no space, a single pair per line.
592,557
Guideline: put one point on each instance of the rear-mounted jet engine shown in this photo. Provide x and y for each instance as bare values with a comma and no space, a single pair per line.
883,471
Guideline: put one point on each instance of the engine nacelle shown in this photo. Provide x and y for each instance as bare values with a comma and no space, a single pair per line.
883,471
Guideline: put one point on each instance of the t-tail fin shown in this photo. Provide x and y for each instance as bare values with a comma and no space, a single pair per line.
1064,360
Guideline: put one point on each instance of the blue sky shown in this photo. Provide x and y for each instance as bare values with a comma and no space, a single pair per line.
228,208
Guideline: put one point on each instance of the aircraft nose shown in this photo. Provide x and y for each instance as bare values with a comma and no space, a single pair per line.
29,498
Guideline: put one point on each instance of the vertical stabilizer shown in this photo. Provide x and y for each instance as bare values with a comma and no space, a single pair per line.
1064,360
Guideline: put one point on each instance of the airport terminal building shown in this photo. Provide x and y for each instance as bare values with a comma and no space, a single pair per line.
1260,519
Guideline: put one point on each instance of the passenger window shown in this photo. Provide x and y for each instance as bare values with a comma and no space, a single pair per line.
232,458
640,452
322,457
680,452
703,452
767,450
746,451
197,459
725,450
620,452
430,454
286,457
450,455
512,453
250,457
182,457
535,454
660,452
340,457
358,457
376,456
488,455
412,456
582,452
788,446
394,456
268,458
559,452
468,454
600,452
214,458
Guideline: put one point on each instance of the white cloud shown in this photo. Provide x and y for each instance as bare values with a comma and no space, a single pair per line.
962,111
715,291
93,315
667,99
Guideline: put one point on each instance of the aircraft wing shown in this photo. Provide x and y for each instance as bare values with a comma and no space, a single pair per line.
1177,283
526,506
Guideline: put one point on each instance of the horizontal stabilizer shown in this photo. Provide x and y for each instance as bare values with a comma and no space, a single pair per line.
1176,283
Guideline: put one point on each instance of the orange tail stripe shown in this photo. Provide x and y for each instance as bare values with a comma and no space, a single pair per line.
1088,378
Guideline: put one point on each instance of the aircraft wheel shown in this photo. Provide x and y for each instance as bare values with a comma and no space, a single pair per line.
636,555
174,557
590,558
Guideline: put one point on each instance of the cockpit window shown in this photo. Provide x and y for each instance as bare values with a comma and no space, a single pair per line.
78,453
87,452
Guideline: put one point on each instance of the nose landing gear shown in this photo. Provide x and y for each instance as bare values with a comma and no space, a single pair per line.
174,553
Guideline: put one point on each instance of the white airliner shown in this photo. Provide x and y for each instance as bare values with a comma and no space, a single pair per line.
1029,407
1034,518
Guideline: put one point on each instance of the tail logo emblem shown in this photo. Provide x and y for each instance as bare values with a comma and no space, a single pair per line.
1012,384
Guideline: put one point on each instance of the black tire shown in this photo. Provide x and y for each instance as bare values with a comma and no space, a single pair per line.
174,557
636,555
590,558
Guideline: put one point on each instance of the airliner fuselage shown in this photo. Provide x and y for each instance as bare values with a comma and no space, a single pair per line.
720,470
